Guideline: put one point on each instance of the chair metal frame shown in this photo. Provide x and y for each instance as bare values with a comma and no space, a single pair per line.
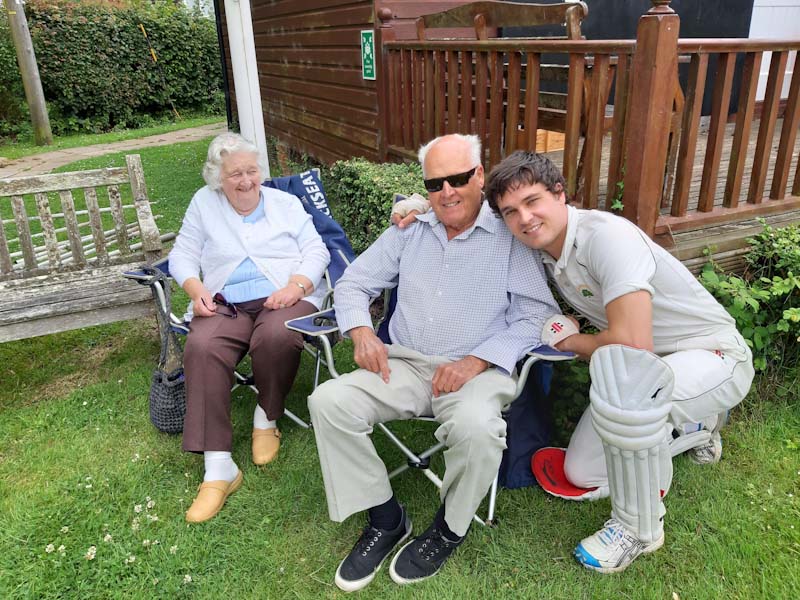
321,324
181,327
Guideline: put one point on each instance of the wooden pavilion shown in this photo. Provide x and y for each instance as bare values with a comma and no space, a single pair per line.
630,110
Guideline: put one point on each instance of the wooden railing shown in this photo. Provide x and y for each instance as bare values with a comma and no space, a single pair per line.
754,180
631,128
496,89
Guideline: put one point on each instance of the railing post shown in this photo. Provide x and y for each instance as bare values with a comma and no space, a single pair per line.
383,33
649,113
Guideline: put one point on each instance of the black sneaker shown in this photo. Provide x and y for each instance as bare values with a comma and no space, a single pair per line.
365,559
422,557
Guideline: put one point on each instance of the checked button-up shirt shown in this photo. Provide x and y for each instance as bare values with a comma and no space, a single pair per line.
481,293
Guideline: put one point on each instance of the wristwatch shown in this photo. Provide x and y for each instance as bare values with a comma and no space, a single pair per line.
301,286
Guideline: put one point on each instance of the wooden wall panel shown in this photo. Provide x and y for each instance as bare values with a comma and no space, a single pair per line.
309,63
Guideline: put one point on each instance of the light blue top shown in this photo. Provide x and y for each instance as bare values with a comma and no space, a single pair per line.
247,282
481,293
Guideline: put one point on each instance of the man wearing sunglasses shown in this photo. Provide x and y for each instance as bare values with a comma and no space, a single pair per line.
468,307
666,363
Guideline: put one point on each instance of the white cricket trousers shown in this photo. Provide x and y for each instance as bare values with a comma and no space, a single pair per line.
706,383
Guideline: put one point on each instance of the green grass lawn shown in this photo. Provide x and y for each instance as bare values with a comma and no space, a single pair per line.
26,147
81,467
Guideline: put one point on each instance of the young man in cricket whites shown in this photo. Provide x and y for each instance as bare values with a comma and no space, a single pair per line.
666,363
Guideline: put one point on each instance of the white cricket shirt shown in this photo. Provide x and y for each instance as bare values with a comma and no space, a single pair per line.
606,256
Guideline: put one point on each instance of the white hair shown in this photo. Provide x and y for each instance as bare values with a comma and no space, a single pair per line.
222,146
473,141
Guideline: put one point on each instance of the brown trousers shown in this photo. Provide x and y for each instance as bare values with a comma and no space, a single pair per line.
215,346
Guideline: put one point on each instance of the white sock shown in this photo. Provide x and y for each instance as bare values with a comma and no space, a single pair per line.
260,420
219,466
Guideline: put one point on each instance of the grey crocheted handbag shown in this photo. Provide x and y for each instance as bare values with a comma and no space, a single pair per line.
168,388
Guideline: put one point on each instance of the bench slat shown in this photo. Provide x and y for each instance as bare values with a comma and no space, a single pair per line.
23,231
73,232
69,300
99,316
58,215
96,223
48,229
88,246
65,292
34,236
115,202
5,258
57,182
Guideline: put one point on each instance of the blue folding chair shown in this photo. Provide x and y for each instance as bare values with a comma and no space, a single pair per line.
535,372
307,186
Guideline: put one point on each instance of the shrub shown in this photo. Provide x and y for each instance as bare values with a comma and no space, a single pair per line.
362,194
766,301
96,68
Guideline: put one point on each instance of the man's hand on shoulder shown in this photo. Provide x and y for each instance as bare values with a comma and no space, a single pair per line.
370,352
452,376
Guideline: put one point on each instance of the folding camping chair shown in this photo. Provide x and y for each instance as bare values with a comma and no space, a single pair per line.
307,186
322,325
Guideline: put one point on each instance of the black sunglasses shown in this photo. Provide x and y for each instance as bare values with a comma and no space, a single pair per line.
458,180
220,301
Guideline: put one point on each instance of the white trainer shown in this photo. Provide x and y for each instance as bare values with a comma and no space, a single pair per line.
709,453
612,548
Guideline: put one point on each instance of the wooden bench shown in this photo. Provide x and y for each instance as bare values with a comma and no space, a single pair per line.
65,240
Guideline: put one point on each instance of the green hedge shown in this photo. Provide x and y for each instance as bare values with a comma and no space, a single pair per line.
96,68
361,194
766,301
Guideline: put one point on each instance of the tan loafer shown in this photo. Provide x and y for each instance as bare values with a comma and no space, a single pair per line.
210,498
266,443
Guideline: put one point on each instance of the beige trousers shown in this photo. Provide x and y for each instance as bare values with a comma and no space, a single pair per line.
344,411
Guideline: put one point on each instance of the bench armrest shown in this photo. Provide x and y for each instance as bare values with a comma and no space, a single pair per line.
148,230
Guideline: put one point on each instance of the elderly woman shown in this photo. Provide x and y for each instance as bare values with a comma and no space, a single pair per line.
250,259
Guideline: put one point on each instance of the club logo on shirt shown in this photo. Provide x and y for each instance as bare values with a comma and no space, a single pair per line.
584,291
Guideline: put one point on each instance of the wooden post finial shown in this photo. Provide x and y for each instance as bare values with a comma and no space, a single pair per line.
660,7
385,14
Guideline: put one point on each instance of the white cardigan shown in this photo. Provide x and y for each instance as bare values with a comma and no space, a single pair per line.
214,240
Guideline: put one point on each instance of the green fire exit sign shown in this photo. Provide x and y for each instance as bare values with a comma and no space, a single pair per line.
368,54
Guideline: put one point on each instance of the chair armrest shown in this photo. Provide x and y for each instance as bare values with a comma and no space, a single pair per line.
146,273
139,276
316,324
535,355
156,275
544,352
321,328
